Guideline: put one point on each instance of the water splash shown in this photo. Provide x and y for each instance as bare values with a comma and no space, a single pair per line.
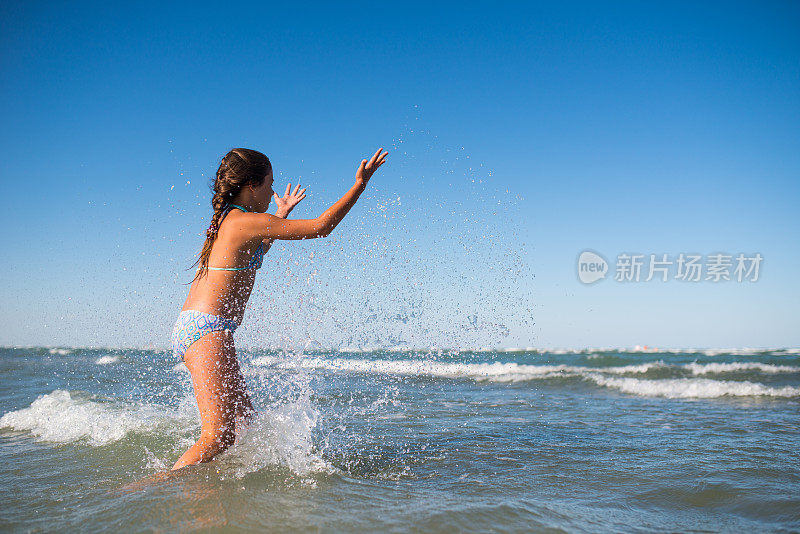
432,256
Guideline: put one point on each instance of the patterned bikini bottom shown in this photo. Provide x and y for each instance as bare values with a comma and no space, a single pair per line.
192,325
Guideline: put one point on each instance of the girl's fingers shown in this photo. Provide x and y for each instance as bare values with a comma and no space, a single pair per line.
375,157
295,189
288,186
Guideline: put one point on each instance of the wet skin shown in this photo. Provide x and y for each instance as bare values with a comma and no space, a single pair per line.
217,379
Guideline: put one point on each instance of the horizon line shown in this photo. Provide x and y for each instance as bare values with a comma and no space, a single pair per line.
553,349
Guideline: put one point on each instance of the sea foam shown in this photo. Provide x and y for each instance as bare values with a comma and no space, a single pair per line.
610,377
709,368
500,372
701,388
504,372
60,417
278,436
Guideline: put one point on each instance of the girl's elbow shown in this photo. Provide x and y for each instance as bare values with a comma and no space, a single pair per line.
324,227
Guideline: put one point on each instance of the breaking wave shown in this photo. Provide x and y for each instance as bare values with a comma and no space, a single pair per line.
612,376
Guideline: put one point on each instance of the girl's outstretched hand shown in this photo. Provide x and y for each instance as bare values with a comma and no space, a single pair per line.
286,203
368,168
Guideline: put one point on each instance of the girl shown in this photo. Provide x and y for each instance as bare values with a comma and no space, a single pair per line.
239,235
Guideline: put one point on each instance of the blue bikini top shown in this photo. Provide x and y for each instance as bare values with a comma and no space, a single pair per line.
258,256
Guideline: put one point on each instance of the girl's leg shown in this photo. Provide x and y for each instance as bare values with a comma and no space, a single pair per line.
244,407
211,360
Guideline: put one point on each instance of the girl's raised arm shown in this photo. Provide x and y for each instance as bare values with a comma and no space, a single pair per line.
267,226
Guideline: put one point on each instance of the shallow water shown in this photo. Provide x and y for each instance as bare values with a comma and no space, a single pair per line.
396,441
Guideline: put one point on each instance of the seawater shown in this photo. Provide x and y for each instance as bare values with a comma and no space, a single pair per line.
425,441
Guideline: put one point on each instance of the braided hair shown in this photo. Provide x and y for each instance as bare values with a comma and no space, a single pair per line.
239,168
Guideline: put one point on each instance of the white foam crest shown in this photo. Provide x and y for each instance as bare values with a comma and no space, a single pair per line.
501,372
261,361
709,368
624,369
496,372
60,352
732,352
105,360
59,417
701,388
352,349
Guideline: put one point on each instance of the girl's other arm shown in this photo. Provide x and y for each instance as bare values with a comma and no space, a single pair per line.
269,226
285,205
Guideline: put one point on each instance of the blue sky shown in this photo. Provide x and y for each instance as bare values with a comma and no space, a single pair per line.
519,135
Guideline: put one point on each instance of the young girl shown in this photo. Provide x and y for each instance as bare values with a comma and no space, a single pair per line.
239,235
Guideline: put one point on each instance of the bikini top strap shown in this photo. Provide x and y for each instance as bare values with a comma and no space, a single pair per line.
228,209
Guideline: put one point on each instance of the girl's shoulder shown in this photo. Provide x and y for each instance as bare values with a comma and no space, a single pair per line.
234,226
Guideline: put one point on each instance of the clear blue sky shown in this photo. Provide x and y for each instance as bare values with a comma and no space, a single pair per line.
519,135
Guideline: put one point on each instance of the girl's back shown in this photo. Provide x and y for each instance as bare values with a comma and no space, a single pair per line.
226,290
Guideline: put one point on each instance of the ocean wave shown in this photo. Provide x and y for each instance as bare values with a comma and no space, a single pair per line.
711,368
105,360
701,388
625,369
61,417
60,352
731,352
506,372
501,372
281,435
495,372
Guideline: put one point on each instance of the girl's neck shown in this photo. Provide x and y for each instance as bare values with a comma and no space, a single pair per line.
243,202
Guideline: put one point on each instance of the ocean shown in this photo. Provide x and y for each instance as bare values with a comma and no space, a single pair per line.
408,441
